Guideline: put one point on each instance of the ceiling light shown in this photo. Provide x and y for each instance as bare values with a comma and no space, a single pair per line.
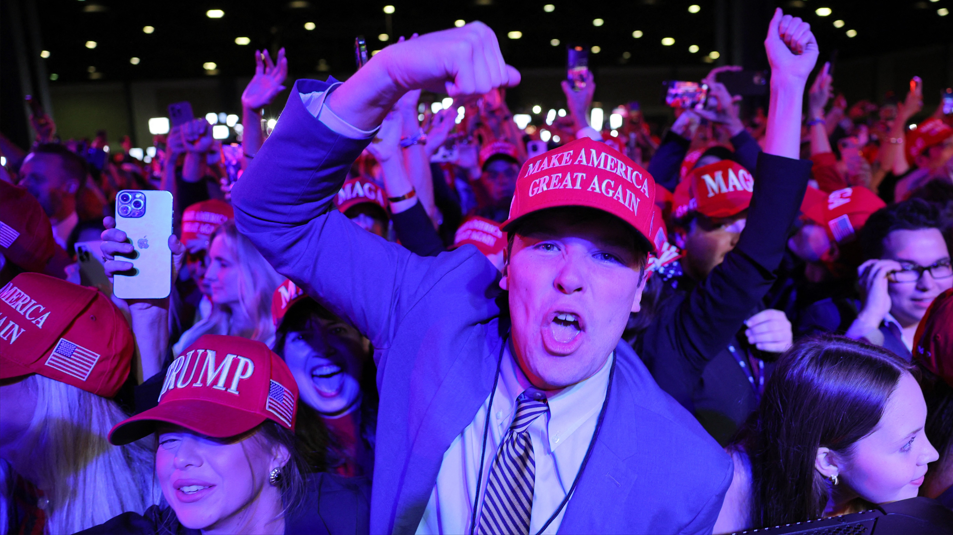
309,26
297,4
383,37
159,125
637,34
209,66
219,131
554,42
823,11
668,41
693,49
851,33
838,23
54,77
943,12
45,54
211,117
549,8
598,22
596,49
714,54
561,112
515,34
90,44
389,10
95,8
537,109
148,29
694,8
90,69
626,55
459,23
374,53
215,13
242,41
134,60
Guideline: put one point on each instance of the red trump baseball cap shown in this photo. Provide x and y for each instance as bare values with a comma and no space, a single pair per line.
843,213
287,294
483,233
26,236
721,189
933,342
360,190
586,173
70,333
927,134
220,386
201,219
503,149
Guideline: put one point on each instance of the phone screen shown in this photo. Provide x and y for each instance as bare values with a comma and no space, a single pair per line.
180,113
577,66
360,51
948,101
685,94
915,83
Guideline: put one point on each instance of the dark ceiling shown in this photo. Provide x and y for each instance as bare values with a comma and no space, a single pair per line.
185,38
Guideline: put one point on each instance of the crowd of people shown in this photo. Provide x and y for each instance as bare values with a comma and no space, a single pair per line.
387,320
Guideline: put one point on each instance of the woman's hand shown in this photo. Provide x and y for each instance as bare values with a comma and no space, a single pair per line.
115,242
267,81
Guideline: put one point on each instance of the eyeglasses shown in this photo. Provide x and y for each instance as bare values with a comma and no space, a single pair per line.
939,270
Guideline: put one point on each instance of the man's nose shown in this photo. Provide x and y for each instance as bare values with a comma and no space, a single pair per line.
569,277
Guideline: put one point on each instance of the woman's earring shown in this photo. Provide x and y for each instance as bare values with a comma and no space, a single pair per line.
832,477
275,477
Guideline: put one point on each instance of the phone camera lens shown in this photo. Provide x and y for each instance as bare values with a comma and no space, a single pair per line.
137,204
123,210
125,197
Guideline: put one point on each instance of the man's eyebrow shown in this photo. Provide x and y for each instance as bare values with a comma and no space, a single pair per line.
907,261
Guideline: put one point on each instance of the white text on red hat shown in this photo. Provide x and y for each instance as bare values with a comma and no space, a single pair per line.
215,376
26,306
838,198
356,189
743,181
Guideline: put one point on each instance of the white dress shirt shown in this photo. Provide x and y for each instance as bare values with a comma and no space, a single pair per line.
560,441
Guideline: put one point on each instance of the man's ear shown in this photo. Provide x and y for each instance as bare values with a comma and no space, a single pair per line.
826,462
637,301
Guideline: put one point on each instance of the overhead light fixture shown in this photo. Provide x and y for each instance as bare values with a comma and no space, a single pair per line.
309,26
515,34
90,44
598,22
459,23
209,66
90,69
714,54
549,8
561,112
823,11
694,8
851,33
595,49
54,77
212,118
626,55
389,10
668,41
45,54
838,23
554,42
383,37
693,49
215,13
537,109
242,41
299,4
219,131
134,60
375,52
637,34
148,29
943,12
95,8
159,125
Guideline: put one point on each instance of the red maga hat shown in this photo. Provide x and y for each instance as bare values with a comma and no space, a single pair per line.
287,294
498,148
933,342
927,134
844,212
220,386
201,219
360,190
481,232
586,173
721,189
26,235
63,331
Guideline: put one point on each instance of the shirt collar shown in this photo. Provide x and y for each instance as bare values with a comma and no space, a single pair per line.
62,230
569,407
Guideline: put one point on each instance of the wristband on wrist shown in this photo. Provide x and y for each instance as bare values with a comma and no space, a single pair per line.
409,195
813,122
419,139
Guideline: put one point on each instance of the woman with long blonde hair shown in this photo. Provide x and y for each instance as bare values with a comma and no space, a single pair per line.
242,283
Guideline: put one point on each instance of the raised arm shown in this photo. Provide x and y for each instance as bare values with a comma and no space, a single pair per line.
267,82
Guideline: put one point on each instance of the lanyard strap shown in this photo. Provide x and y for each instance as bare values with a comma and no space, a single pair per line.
749,373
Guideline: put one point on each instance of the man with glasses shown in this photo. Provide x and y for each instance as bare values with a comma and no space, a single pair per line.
907,265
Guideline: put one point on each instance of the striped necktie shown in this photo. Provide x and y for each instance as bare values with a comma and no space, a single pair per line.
508,500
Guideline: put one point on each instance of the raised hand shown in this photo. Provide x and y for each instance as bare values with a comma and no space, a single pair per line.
791,47
911,105
820,93
267,81
197,135
580,101
116,242
386,145
721,108
874,286
441,125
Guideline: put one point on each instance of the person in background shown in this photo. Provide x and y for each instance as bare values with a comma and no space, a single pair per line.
26,237
226,457
933,354
799,458
907,264
333,366
930,149
486,236
499,167
54,175
65,350
362,201
241,284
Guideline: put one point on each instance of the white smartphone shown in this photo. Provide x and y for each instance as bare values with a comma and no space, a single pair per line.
146,218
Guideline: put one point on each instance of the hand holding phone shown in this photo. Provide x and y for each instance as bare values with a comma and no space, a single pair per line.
685,95
143,226
577,66
180,113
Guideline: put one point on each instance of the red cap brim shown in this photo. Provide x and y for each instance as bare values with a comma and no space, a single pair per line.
205,417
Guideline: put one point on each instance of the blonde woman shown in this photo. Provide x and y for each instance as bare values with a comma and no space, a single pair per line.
241,283
71,352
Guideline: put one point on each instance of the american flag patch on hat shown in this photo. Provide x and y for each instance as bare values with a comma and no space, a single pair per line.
7,235
841,227
281,402
72,359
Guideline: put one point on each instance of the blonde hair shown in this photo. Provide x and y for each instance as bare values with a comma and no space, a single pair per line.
257,283
92,480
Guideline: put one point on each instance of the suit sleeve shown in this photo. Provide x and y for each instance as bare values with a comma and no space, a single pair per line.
746,150
415,231
680,342
667,160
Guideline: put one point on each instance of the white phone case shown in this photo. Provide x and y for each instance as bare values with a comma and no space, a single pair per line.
151,277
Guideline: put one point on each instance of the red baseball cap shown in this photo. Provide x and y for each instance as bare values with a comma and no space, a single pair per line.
682,200
360,190
498,148
220,386
26,235
933,342
586,173
927,134
201,219
843,212
70,333
721,189
287,294
812,196
481,232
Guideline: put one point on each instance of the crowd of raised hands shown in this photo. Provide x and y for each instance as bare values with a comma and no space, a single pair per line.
793,297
